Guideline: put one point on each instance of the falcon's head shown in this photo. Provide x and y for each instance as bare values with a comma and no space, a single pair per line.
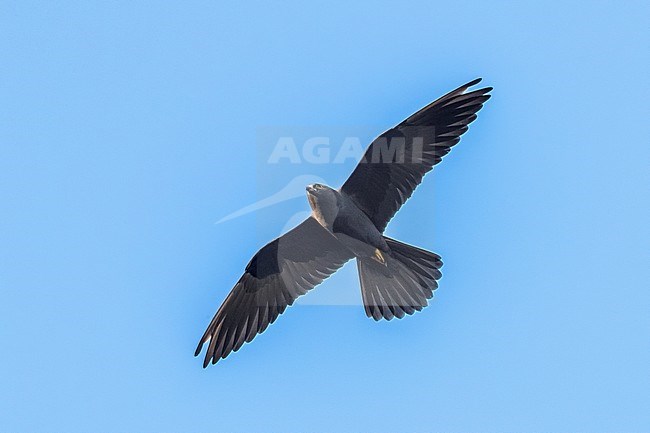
321,197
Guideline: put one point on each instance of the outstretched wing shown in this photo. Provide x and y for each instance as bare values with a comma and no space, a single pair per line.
396,161
279,273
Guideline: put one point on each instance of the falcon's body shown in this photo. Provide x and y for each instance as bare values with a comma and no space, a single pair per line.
396,279
339,215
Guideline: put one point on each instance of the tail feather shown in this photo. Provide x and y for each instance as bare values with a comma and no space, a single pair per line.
402,284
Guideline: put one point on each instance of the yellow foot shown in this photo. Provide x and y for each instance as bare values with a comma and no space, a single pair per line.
379,256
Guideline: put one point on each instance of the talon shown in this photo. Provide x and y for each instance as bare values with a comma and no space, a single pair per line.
379,256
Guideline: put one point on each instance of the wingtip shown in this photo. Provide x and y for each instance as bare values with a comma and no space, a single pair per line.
198,349
484,90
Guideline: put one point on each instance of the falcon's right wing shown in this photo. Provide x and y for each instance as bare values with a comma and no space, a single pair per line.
396,161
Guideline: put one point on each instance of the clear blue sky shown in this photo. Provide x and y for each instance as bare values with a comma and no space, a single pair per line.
128,128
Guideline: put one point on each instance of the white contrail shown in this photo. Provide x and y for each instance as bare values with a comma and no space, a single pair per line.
295,188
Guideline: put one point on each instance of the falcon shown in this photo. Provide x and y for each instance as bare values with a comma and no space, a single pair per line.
396,279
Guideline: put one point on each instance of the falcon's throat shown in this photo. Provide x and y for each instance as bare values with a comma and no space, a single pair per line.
312,201
324,204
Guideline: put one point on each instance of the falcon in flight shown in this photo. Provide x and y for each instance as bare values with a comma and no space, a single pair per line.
348,223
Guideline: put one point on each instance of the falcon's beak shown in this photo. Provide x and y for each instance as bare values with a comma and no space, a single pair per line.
310,189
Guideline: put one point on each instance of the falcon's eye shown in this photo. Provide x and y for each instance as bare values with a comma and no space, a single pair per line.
318,186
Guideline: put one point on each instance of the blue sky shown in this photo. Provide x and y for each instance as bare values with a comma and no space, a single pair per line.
128,128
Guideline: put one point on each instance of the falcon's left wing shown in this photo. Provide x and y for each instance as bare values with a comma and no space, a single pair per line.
279,273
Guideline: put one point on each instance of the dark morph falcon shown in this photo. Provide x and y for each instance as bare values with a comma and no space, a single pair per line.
396,278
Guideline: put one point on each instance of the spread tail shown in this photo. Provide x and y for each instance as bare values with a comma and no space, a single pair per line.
399,284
